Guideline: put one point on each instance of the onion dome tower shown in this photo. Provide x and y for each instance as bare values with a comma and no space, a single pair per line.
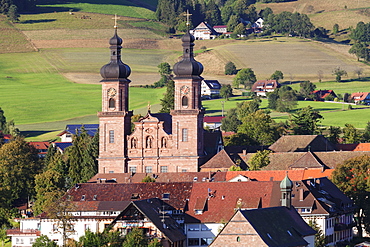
286,187
115,117
188,113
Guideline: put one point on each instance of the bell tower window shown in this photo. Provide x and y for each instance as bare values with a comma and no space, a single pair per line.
111,136
184,135
184,101
112,103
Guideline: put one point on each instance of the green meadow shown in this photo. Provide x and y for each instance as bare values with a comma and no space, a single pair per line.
335,114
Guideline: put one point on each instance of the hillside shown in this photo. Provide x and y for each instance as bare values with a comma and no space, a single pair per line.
73,46
327,13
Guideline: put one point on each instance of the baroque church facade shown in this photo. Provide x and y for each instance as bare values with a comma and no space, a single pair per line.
160,142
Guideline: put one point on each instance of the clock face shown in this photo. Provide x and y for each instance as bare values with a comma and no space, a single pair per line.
111,92
185,90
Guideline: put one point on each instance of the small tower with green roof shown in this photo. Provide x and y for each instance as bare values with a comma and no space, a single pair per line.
286,186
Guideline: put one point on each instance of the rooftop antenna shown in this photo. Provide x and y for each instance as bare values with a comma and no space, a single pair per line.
187,19
115,21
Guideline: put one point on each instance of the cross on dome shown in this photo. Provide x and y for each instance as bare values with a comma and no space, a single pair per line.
115,21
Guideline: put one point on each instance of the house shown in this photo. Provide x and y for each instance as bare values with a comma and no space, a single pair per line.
261,87
41,147
220,29
302,143
204,31
275,226
26,234
258,24
73,129
322,94
212,122
210,89
156,218
321,201
361,98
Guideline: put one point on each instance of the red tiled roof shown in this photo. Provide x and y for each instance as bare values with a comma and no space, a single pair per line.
322,94
359,96
179,192
18,232
224,198
209,119
362,147
221,160
40,145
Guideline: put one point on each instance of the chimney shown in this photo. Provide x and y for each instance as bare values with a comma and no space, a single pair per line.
301,195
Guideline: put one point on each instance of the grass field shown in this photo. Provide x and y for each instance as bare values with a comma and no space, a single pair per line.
335,114
119,7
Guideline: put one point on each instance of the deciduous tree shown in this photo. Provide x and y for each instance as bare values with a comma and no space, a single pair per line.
352,177
245,77
231,121
19,163
44,241
277,75
135,238
339,73
230,68
258,160
258,127
226,91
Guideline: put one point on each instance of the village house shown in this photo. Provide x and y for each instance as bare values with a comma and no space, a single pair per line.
204,31
73,129
212,122
210,89
261,87
322,95
361,98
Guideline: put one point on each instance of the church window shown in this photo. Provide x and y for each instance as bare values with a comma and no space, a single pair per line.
111,136
112,103
133,143
149,142
148,169
132,169
164,169
184,135
184,101
164,142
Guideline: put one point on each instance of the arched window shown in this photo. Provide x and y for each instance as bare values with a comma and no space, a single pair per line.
112,103
184,101
133,142
149,142
164,142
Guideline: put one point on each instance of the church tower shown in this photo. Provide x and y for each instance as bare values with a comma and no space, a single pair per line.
188,113
115,118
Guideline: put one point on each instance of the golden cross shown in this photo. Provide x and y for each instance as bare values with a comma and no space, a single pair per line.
149,106
115,21
187,18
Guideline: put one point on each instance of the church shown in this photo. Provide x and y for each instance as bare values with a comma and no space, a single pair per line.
160,142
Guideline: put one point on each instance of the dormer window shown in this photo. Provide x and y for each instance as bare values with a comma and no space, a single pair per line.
83,198
166,196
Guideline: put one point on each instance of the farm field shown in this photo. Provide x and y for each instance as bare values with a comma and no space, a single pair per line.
326,13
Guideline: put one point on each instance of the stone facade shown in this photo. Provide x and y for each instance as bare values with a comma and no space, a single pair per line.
160,142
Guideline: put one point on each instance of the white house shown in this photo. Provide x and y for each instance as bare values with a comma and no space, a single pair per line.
204,31
210,89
